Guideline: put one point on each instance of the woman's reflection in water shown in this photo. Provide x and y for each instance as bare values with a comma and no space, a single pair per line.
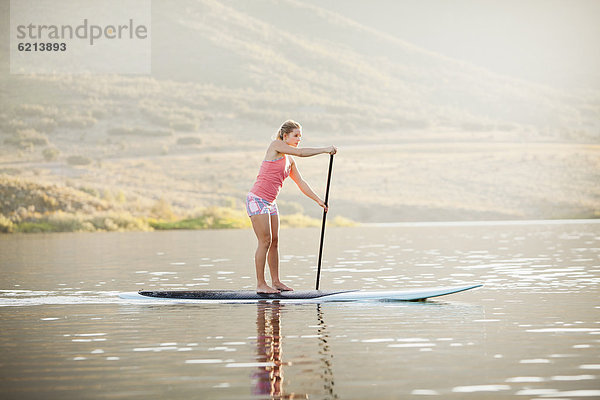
269,378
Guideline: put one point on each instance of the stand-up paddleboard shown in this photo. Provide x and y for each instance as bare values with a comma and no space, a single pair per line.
296,296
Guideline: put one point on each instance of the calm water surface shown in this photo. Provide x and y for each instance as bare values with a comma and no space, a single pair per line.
533,331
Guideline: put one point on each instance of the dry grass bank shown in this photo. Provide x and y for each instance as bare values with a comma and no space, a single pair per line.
33,207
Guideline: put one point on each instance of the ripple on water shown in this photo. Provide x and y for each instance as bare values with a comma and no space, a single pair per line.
535,361
377,340
417,345
573,377
204,361
536,392
251,365
590,366
155,349
480,388
569,393
424,392
526,379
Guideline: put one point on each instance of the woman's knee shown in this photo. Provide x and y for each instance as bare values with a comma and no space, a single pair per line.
274,241
264,240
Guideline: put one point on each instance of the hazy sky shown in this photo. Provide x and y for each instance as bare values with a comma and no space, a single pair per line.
555,42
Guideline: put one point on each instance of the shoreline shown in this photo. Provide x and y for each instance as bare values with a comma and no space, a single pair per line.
290,221
210,218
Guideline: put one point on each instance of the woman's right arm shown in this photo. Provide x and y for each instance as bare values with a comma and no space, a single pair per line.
284,148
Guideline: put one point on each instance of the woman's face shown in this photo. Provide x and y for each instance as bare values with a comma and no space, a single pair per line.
293,138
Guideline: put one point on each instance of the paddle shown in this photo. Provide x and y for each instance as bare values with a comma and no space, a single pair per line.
324,218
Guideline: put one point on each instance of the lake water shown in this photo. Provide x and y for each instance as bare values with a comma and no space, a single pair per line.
532,332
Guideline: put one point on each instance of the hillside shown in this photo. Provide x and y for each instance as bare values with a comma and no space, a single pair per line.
253,62
421,136
366,80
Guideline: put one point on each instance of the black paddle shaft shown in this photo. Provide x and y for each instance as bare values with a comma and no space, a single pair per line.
324,218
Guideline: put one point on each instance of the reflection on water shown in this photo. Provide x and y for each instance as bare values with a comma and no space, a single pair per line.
533,331
269,376
326,357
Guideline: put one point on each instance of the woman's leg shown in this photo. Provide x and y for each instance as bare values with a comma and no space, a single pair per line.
262,229
273,255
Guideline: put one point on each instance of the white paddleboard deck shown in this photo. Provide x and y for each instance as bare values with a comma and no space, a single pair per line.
297,296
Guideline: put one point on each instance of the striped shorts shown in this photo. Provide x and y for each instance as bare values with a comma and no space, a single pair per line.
256,205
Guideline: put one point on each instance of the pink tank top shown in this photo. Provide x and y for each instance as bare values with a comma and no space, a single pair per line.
270,178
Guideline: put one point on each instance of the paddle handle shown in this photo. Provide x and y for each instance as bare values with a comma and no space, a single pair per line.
324,218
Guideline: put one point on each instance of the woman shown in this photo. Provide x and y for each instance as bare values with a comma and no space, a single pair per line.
260,201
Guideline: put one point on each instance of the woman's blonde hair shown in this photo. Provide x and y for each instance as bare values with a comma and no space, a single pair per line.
287,127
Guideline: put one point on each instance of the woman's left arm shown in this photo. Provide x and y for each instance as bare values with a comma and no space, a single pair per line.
303,186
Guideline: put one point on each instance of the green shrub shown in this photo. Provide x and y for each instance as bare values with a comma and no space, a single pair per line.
36,227
342,221
6,225
91,191
184,126
189,140
209,218
45,124
229,202
79,160
25,138
225,218
99,113
61,221
162,210
30,110
189,223
50,153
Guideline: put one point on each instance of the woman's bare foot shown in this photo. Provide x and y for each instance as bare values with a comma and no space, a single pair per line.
282,287
265,289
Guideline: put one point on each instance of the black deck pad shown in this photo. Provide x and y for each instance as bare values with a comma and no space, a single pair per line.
238,294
